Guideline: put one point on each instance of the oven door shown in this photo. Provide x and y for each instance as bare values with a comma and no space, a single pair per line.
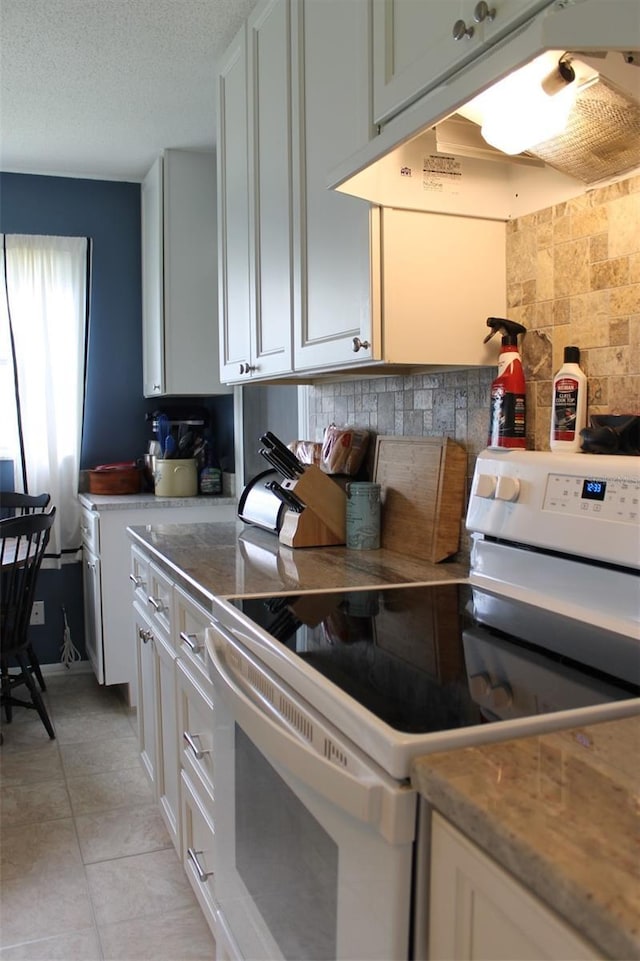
313,842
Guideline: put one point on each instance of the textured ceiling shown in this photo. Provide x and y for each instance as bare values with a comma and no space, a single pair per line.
97,88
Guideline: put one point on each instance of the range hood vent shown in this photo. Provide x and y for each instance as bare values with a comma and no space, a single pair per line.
602,138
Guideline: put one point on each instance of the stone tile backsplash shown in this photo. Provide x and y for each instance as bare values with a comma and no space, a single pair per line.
573,277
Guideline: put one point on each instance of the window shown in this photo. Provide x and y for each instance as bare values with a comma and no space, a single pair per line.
43,322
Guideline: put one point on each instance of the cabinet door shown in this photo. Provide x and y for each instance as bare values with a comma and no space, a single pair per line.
147,663
479,911
442,277
414,48
92,587
332,250
270,187
198,850
168,761
235,306
190,274
151,207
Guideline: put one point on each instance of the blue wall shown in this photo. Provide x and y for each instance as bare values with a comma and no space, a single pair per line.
109,213
115,428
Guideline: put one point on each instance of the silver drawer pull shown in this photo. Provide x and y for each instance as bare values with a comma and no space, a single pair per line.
193,856
136,580
191,640
198,753
156,604
145,636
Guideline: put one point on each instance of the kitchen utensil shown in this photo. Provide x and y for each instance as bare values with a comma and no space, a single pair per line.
287,457
272,458
423,485
185,443
287,498
169,447
162,430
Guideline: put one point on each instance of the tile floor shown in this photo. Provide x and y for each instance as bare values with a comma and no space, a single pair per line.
87,869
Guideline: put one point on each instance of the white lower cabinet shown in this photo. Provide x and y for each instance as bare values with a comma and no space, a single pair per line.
157,696
108,567
175,718
478,911
169,765
198,839
147,694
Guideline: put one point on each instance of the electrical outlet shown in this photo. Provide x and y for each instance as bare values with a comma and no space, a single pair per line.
37,613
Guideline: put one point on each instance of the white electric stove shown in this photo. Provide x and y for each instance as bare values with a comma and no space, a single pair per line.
324,699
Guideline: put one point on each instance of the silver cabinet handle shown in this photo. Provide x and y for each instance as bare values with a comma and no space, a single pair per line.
156,604
360,345
461,30
247,368
193,856
145,636
136,580
191,640
484,12
156,386
198,752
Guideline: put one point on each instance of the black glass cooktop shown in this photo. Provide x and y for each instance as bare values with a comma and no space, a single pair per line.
444,656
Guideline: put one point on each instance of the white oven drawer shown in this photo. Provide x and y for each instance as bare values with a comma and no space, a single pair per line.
195,729
191,622
198,849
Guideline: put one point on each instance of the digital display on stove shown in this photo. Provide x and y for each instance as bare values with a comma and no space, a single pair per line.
594,490
425,659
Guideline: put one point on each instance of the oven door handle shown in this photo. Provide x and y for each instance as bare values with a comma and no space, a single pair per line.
364,796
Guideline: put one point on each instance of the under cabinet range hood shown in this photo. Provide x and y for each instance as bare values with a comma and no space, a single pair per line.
579,61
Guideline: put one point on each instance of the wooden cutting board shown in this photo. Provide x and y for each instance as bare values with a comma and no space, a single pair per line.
423,485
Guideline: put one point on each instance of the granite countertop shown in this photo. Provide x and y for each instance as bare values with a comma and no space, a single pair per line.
227,559
561,813
120,502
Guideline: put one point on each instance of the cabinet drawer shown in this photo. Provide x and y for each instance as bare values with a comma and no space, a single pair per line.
159,598
90,530
139,575
195,728
198,848
191,622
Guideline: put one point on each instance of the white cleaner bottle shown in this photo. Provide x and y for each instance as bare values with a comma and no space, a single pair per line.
569,403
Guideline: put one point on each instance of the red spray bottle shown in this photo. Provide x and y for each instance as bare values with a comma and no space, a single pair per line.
507,420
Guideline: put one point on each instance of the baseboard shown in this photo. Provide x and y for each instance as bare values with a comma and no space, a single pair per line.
77,667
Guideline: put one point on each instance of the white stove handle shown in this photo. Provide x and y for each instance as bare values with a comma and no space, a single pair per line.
360,796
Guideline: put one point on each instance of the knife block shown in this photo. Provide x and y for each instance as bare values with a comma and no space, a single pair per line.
324,518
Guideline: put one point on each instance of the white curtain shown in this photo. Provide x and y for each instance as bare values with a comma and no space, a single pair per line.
46,294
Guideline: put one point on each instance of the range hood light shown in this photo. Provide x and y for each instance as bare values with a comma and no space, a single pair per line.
526,109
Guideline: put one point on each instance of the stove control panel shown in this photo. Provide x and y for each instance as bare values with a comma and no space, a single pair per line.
611,498
582,504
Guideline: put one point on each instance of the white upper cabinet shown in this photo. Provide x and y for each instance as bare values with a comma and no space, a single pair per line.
270,186
255,185
233,217
179,276
419,43
331,109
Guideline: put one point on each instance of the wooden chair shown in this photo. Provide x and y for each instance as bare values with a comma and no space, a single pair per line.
16,504
23,541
